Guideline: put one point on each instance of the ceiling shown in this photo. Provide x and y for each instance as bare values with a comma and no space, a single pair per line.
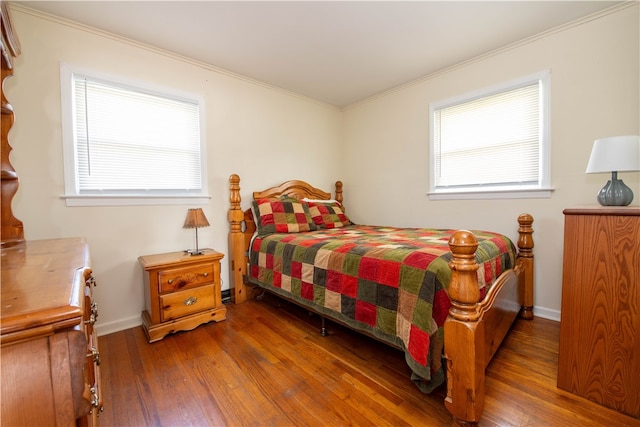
338,52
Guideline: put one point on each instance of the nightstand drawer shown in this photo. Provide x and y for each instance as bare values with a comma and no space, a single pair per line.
178,304
184,278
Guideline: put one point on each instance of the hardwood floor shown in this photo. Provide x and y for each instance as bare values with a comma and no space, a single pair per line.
268,365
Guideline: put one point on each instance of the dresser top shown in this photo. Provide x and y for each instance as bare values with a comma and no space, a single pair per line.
603,210
43,286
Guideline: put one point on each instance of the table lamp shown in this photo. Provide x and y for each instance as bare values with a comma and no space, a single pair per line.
195,219
615,154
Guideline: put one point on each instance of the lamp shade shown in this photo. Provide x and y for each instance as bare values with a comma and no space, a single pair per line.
615,154
195,219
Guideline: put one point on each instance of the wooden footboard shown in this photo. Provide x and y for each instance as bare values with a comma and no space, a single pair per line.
473,330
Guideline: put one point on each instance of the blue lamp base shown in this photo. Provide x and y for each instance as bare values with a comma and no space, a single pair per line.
615,192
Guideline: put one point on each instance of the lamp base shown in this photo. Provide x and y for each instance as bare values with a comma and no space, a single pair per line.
615,192
194,252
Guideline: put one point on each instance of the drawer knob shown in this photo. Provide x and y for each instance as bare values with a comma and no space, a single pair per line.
95,355
94,308
92,320
206,274
190,301
95,399
91,281
94,314
170,281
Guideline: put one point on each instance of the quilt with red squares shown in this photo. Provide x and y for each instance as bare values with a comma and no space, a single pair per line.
390,282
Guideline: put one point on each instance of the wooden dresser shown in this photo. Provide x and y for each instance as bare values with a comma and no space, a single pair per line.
599,355
49,349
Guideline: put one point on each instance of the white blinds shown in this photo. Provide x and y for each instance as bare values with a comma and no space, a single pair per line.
490,141
128,141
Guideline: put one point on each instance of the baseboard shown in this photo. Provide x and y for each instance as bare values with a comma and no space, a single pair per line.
546,313
118,325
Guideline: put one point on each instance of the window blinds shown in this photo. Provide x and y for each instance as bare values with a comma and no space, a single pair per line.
490,141
129,141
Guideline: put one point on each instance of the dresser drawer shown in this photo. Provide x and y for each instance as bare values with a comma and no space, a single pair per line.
184,278
182,303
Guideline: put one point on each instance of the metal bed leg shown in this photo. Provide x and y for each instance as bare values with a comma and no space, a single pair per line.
323,329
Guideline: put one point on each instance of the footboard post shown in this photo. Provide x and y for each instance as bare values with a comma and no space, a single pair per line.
525,257
237,265
464,334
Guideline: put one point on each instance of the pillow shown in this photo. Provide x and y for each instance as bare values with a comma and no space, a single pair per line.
281,216
327,214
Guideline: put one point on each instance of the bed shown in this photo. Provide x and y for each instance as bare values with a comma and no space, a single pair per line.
438,295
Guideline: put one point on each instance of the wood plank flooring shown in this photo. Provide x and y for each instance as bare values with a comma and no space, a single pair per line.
267,365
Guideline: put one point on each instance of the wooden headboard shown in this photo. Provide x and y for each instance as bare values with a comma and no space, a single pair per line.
298,190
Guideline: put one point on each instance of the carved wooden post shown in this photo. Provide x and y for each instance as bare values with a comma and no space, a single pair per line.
463,288
12,230
525,255
237,256
339,196
463,334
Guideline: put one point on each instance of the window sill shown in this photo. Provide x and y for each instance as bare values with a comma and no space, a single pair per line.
537,193
94,200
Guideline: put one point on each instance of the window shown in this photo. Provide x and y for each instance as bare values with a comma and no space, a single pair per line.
130,144
493,143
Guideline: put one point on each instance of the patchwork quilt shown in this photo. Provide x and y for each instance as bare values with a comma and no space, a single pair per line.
390,282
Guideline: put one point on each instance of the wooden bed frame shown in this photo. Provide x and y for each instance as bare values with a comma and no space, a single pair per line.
473,330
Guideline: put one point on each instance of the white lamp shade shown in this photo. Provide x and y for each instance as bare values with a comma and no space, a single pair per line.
615,154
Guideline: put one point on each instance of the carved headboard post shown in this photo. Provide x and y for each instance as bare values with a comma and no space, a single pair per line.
339,196
237,248
12,231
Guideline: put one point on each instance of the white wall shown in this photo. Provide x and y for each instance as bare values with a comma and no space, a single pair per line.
261,133
594,93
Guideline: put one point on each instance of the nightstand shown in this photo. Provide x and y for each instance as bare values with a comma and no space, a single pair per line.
182,291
